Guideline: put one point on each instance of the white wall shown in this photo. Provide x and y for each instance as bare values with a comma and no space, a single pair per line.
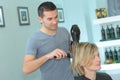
13,38
74,15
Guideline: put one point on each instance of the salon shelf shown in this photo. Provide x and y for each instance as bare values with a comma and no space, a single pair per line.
102,45
112,69
107,20
110,66
108,43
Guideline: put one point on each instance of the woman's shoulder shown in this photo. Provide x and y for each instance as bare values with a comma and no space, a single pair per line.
103,75
81,77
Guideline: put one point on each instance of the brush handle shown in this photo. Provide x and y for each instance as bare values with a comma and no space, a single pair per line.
68,56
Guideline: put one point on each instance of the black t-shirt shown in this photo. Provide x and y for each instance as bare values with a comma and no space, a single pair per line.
99,76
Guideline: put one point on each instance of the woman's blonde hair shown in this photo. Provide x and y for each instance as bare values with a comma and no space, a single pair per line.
82,55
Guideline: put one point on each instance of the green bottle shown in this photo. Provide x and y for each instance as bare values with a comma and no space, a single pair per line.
111,54
119,55
118,31
106,54
115,53
112,32
108,33
103,33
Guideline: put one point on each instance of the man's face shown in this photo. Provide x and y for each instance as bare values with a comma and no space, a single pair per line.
50,20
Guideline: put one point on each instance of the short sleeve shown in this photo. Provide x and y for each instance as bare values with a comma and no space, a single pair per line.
31,47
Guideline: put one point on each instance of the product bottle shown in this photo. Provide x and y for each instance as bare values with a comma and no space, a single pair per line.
106,54
112,32
119,55
111,54
108,33
115,55
118,31
103,33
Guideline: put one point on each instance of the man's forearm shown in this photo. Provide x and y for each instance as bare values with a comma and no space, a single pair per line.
32,65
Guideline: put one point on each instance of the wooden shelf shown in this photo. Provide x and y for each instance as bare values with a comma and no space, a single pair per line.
106,20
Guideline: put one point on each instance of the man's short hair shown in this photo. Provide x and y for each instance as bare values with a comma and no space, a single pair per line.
46,6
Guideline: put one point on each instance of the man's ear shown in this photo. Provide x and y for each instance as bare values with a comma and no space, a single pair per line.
40,19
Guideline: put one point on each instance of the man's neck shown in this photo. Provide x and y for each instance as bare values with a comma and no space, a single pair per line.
46,31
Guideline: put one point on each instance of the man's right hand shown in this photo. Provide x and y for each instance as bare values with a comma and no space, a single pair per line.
57,54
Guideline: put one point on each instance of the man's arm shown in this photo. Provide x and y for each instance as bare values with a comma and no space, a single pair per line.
31,64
